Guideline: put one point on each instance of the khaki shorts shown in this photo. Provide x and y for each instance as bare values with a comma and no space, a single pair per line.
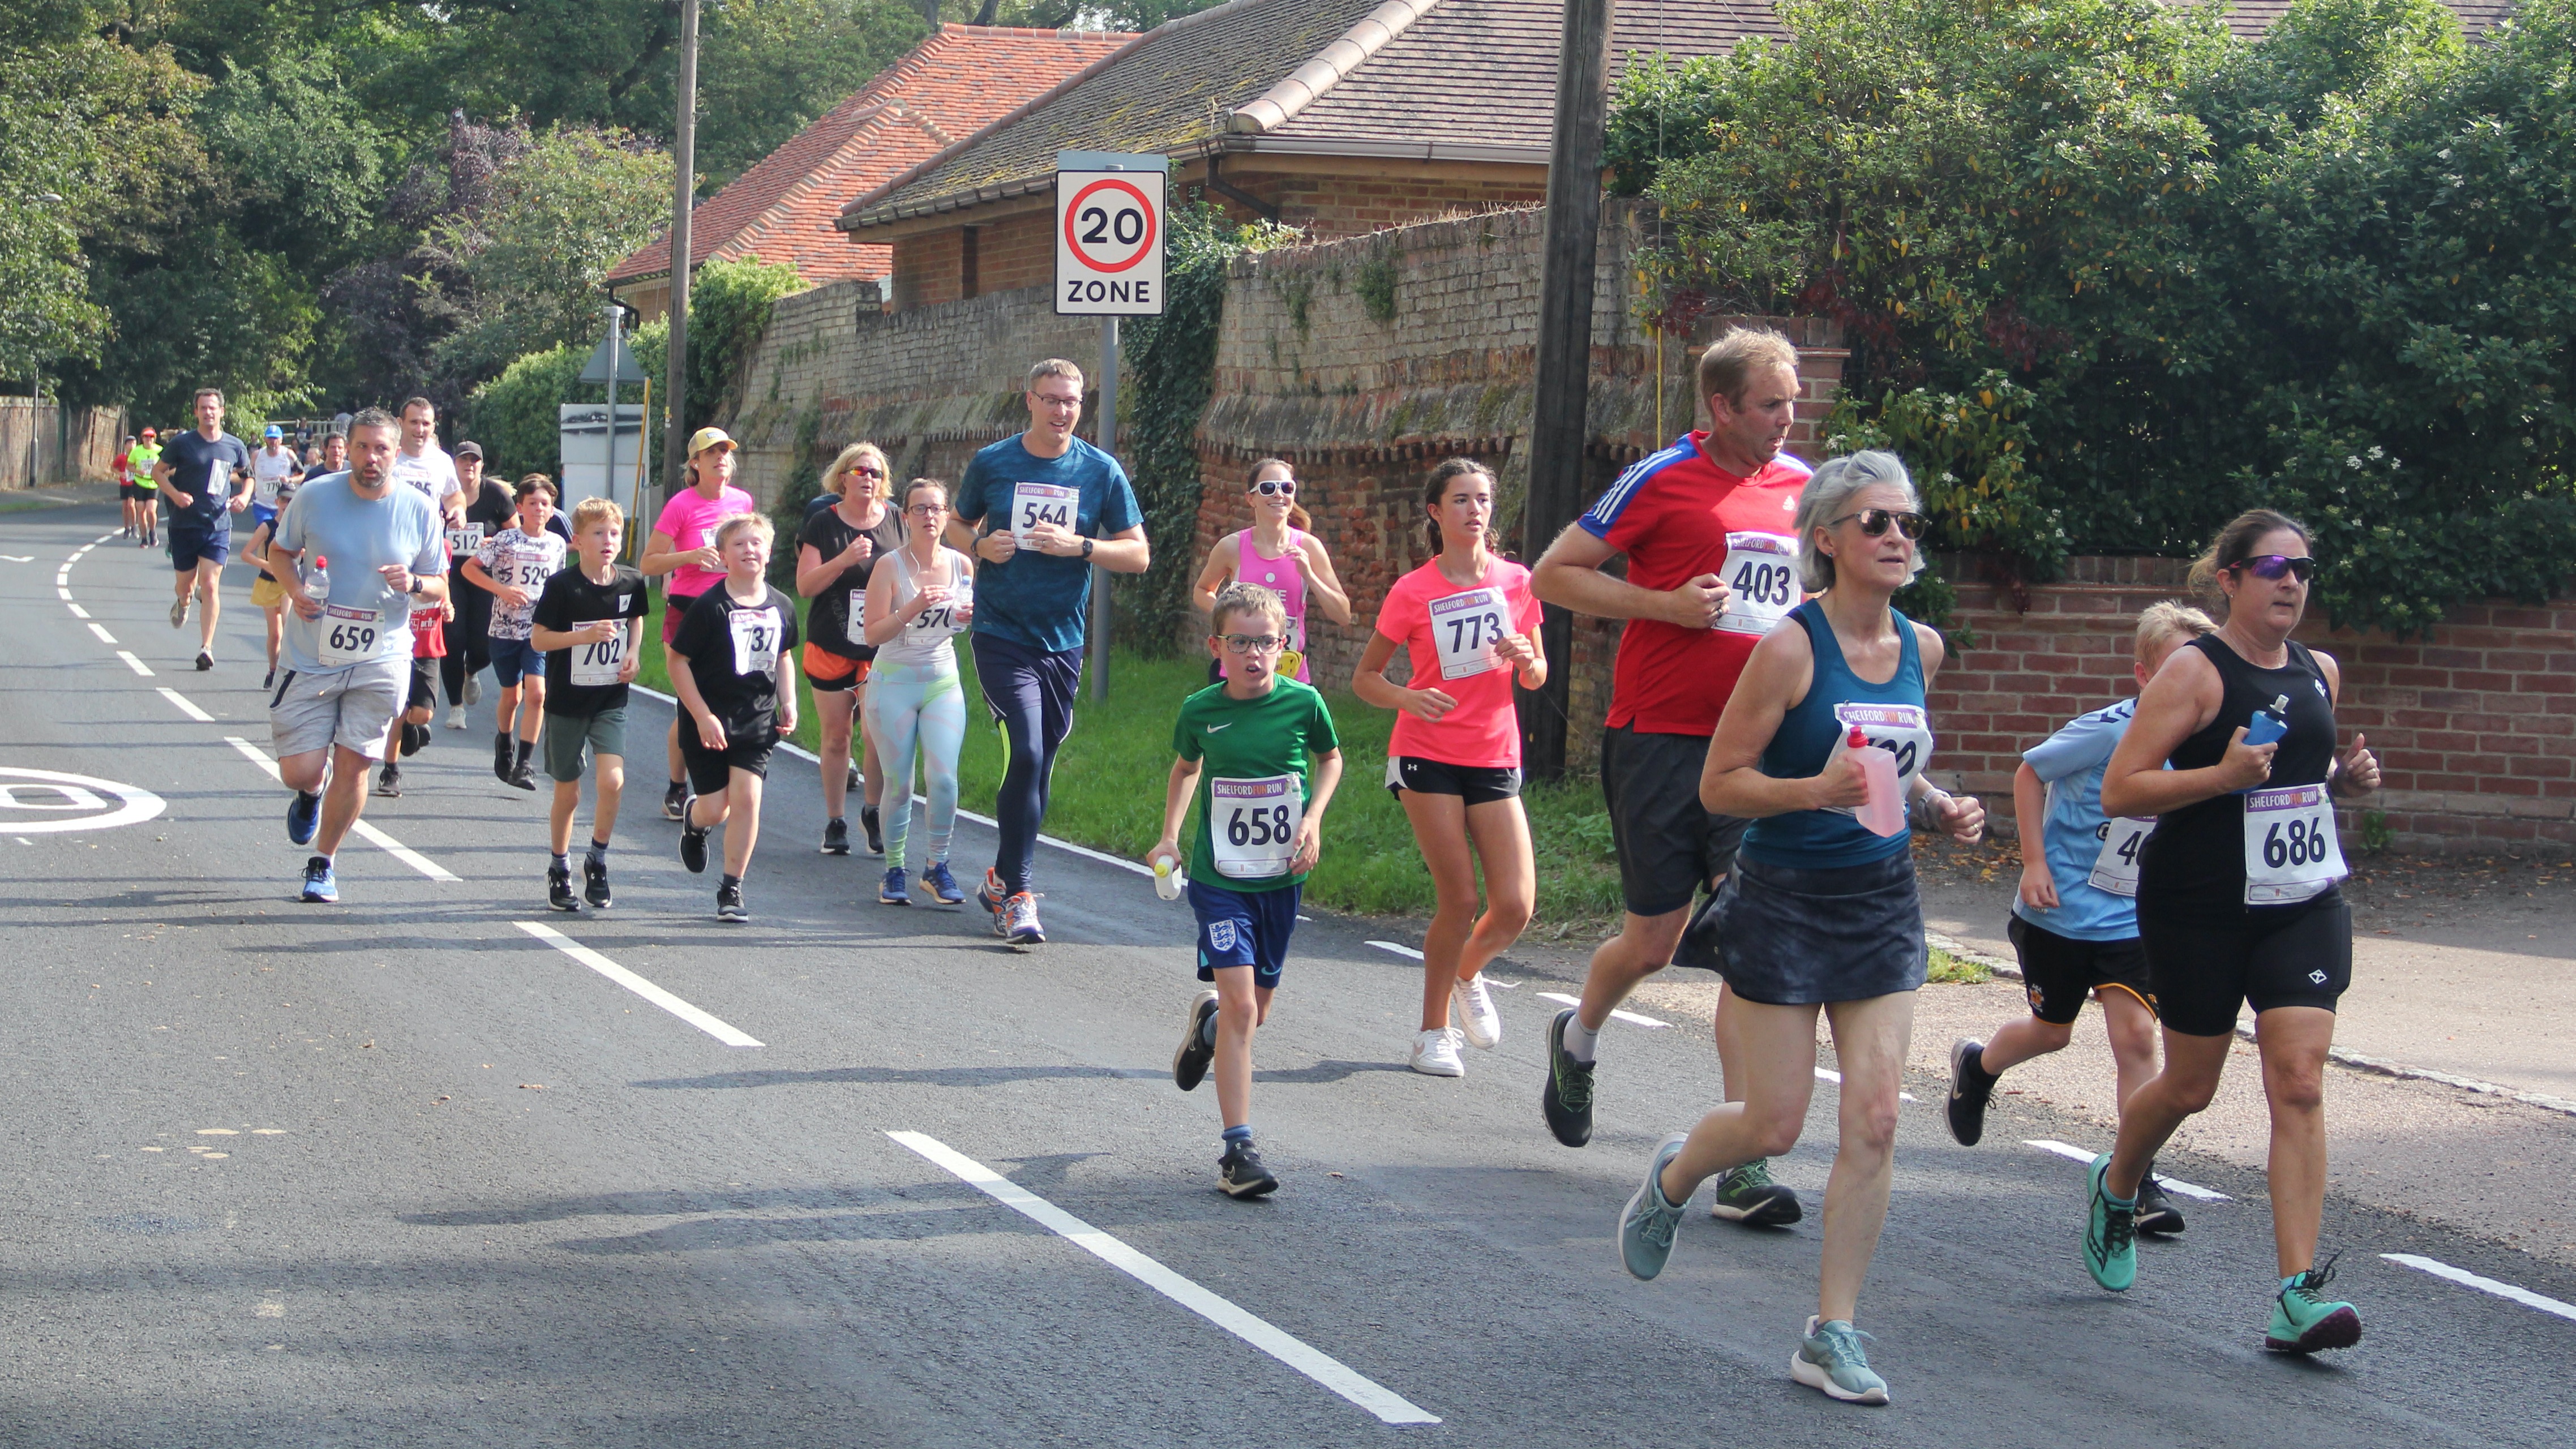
267,593
566,735
353,708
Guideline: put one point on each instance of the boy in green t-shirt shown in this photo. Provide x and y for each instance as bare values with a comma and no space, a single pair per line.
1272,761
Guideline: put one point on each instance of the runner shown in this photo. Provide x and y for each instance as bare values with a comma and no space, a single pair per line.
334,458
489,508
916,705
1821,911
1468,623
346,649
2239,905
835,549
266,594
590,623
142,487
121,468
680,546
425,465
733,665
207,473
514,565
1711,569
2074,924
1041,508
1261,751
420,705
1277,553
272,465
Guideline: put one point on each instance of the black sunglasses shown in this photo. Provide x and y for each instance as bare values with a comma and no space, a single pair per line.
2273,565
1874,522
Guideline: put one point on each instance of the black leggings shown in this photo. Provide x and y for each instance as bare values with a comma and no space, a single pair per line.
468,641
1030,692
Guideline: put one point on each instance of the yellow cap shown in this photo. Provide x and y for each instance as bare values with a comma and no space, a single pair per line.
706,438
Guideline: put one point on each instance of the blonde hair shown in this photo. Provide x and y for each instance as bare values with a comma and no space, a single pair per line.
2166,620
1247,599
1729,364
597,510
757,523
834,477
1053,367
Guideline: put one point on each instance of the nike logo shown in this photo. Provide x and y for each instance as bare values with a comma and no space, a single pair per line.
1212,729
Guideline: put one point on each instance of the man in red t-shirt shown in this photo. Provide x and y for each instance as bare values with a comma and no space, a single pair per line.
1706,525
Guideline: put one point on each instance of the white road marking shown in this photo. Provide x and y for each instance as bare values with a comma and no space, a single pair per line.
2523,1296
78,612
361,828
104,637
711,1025
1399,950
137,665
2173,1184
59,589
1827,1074
1630,1017
1389,1406
19,557
187,706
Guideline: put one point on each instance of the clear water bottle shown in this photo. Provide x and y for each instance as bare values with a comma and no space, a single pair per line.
1168,880
317,580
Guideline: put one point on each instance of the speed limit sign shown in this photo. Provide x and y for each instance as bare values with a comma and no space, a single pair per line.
1108,234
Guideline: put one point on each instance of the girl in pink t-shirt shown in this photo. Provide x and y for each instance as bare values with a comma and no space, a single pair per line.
683,546
1277,553
1469,623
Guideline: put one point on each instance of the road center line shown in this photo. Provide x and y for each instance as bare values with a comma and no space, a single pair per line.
2172,1184
2463,1276
104,637
137,665
77,611
1630,1017
59,589
361,828
704,1022
1399,950
1828,1074
1389,1406
186,705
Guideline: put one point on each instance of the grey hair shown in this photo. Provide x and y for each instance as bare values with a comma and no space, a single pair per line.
1827,496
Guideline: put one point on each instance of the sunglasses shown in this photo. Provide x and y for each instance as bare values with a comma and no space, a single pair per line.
1253,643
862,470
2273,565
1275,487
1874,522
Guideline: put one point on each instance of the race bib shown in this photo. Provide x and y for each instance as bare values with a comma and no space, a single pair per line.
1761,574
1465,627
2292,853
465,541
1252,825
858,630
2115,869
1903,730
1036,503
595,663
756,633
349,634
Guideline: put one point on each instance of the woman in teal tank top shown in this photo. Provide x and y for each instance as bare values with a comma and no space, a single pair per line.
1820,913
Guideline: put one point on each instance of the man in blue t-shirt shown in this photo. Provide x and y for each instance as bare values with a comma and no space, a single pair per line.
1037,510
206,476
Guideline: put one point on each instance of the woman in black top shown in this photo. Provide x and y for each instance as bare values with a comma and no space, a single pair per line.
2233,752
835,550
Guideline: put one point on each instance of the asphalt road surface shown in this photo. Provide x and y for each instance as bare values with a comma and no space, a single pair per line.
402,1172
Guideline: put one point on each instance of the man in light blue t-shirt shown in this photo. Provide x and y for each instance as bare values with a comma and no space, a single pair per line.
2075,920
353,553
1037,509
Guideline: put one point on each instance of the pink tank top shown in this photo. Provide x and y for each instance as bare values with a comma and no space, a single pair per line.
1280,574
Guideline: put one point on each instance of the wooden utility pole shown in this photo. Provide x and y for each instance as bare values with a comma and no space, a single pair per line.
684,158
1557,425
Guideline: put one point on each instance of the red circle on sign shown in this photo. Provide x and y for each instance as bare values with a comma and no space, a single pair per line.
1074,212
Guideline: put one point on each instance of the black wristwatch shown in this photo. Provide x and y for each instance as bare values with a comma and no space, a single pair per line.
1086,548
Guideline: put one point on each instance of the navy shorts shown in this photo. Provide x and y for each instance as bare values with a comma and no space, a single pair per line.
514,658
190,547
1245,928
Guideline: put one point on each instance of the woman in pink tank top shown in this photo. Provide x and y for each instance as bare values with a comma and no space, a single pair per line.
1277,553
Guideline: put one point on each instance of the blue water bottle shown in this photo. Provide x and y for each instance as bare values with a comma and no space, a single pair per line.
2268,725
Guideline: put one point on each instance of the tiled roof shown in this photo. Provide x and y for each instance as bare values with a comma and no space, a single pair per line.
2249,19
945,88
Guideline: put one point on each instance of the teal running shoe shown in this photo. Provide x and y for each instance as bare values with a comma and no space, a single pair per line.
2303,1324
1747,1195
1830,1358
1648,1222
2110,1232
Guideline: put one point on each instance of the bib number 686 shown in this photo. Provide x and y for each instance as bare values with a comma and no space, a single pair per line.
2299,843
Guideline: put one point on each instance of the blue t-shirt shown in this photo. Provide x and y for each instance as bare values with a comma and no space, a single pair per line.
203,471
1033,599
363,619
2071,762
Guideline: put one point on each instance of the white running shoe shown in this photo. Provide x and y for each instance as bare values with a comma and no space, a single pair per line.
1483,1026
456,716
1435,1054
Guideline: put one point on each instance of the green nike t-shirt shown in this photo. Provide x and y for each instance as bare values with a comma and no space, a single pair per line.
1256,770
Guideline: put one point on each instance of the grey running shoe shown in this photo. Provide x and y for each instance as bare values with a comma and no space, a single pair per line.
2156,1212
836,836
389,782
1241,1174
1648,1222
1830,1358
1747,1195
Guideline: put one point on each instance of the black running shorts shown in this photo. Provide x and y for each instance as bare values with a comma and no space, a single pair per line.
1669,848
2203,972
2058,972
1474,784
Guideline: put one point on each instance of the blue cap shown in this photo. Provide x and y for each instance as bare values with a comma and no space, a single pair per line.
275,431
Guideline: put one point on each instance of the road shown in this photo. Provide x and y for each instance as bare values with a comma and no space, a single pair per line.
401,1172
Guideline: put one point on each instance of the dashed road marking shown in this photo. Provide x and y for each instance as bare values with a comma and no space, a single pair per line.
2464,1277
2172,1184
137,665
1630,1017
1828,1074
360,828
104,637
713,1026
186,705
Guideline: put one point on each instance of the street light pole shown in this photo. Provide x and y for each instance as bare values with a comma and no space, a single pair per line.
684,157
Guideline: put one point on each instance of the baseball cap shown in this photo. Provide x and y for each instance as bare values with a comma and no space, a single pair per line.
274,431
706,438
151,432
469,450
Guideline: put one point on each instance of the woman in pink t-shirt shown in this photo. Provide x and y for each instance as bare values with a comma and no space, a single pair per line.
683,546
1469,623
1277,553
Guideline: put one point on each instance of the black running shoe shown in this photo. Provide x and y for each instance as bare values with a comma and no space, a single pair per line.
205,661
1190,1061
868,823
505,751
389,782
559,888
594,884
1241,1174
1970,1090
415,738
693,847
523,775
675,800
836,836
1566,1100
729,906
2156,1212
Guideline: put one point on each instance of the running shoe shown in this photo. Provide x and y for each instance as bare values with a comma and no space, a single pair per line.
594,884
389,782
693,847
891,891
504,751
2303,1324
1018,922
1566,1100
836,836
936,880
321,886
559,888
1830,1358
1970,1091
415,738
456,716
179,611
855,784
303,817
474,689
523,775
991,897
1198,1044
729,906
1648,1222
1747,1195
869,821
675,800
205,661
1435,1053
1241,1174
2156,1212
2110,1232
1476,1015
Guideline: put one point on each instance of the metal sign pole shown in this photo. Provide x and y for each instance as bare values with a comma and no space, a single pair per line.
1098,645
608,487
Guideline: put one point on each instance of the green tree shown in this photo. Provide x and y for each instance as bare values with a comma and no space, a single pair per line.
767,70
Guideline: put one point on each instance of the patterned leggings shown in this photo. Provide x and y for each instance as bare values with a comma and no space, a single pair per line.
919,711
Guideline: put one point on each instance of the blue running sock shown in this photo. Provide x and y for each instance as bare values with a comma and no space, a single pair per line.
1207,1033
1242,1134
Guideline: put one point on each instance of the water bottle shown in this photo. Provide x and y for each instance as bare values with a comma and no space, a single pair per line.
317,580
1168,880
1882,813
2268,725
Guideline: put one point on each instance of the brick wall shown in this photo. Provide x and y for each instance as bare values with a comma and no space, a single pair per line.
1329,208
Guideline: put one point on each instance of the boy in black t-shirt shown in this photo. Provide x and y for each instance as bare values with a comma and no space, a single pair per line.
733,666
589,623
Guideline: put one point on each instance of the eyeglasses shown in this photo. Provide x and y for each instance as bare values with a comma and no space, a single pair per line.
2273,565
1274,487
1254,643
1874,522
927,510
1053,401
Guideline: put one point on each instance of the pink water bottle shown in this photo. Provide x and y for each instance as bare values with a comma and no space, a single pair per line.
1883,813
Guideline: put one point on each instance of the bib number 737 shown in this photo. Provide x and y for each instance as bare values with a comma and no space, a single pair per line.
2292,852
1252,825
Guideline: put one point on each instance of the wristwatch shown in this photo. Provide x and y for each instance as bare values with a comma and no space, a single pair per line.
1086,548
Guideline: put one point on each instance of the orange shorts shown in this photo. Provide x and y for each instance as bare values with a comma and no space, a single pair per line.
829,673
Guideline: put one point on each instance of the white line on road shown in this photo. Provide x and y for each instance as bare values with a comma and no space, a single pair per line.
1399,950
104,637
137,665
77,611
1389,1406
2174,1184
2523,1296
1828,1074
1630,1017
19,557
369,833
186,705
59,589
712,1026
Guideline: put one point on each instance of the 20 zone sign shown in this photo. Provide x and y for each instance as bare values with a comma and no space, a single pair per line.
1109,243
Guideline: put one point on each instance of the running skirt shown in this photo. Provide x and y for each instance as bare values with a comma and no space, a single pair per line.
1789,937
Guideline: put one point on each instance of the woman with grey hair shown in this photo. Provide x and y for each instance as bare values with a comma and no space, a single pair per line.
1821,912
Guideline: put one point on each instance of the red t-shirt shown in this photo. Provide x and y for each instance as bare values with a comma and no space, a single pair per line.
1449,633
1670,514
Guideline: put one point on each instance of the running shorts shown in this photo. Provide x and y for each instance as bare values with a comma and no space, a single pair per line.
190,547
674,609
128,490
1245,928
424,684
1669,848
2203,972
1475,784
266,593
353,708
2058,972
829,673
514,658
1787,936
566,736
710,770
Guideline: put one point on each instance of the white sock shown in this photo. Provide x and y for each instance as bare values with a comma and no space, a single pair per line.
1580,1041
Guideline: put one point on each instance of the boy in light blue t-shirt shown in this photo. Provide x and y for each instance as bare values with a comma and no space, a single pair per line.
2075,921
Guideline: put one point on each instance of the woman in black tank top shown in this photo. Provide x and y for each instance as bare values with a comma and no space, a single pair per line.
2233,752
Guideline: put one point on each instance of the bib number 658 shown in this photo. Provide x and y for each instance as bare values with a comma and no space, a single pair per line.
1259,827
